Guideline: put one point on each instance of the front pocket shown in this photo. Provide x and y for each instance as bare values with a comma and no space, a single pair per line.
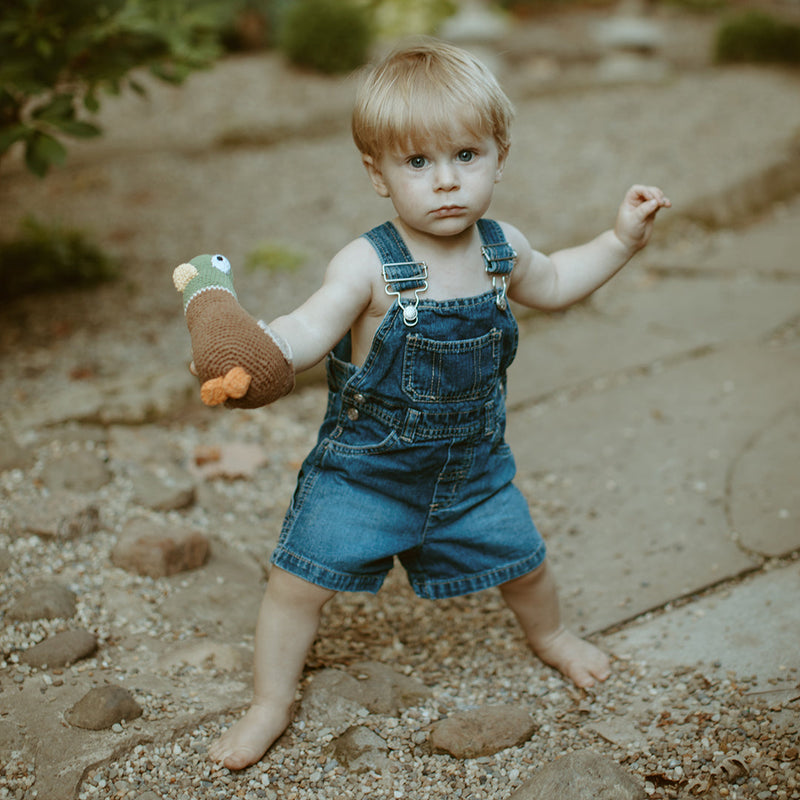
379,447
451,371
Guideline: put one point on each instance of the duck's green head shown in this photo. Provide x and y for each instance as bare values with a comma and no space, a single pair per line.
201,274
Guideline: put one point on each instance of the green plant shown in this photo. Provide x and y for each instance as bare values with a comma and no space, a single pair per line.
57,56
326,35
755,36
44,257
398,18
274,256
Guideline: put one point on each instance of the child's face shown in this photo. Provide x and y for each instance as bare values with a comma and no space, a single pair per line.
440,188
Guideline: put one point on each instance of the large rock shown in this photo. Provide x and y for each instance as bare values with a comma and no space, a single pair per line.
581,776
83,471
156,551
103,707
168,487
383,690
361,750
43,601
60,514
337,698
61,650
482,731
12,455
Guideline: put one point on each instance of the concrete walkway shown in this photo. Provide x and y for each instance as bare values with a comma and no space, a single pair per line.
658,429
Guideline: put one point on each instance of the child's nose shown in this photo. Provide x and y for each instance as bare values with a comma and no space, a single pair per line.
446,177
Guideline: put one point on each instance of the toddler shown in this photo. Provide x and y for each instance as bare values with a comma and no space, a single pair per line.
415,321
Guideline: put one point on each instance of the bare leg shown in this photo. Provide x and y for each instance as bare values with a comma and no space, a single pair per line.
287,624
534,600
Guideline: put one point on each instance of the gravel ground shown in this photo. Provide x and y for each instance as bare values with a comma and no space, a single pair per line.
684,733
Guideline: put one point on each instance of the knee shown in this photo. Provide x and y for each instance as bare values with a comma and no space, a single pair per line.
527,581
287,589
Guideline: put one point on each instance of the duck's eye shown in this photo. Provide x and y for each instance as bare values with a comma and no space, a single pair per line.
221,263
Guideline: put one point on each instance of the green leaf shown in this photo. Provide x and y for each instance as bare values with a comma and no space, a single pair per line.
42,152
60,107
77,128
12,135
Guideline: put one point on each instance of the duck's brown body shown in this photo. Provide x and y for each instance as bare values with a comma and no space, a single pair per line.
237,361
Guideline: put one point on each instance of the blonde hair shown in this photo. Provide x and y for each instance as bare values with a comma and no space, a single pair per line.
422,92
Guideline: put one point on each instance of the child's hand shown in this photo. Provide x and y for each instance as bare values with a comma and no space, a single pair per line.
637,215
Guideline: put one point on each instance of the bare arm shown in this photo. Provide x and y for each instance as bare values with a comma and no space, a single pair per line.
561,279
316,326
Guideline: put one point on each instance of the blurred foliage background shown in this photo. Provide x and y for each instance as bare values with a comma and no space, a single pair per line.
60,57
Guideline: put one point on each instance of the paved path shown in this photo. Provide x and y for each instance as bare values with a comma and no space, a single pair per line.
659,430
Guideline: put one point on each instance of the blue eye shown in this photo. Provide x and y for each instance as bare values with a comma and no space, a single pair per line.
221,263
417,162
465,156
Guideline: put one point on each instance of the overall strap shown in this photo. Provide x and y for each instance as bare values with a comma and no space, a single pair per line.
499,257
498,254
400,272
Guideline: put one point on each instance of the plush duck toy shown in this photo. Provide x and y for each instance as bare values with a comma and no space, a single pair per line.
240,361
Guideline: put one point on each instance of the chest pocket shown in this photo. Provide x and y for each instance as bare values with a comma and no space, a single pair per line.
451,371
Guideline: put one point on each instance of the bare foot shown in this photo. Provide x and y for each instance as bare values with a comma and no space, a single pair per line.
581,662
249,738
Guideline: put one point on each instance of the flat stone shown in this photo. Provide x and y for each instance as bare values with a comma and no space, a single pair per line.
60,514
641,467
103,707
221,598
764,249
205,654
12,455
61,650
383,690
638,321
483,731
581,776
11,738
749,629
141,444
164,488
360,749
765,488
43,601
331,700
132,399
155,550
83,471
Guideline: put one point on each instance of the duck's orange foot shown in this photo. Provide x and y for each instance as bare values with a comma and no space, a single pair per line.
234,383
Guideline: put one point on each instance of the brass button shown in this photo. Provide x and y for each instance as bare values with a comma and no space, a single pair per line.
359,399
352,414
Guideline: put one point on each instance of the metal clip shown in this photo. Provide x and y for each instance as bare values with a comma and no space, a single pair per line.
500,298
418,283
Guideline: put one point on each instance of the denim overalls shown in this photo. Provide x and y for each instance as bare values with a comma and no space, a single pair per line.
411,459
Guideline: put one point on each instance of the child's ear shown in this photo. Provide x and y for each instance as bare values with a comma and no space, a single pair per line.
375,175
501,165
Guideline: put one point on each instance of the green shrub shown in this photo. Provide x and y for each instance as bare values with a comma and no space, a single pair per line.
274,256
45,257
58,56
757,37
326,35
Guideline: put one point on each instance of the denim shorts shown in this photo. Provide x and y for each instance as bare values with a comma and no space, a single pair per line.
457,525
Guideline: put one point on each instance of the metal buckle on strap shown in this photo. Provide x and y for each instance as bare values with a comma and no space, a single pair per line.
500,260
394,286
